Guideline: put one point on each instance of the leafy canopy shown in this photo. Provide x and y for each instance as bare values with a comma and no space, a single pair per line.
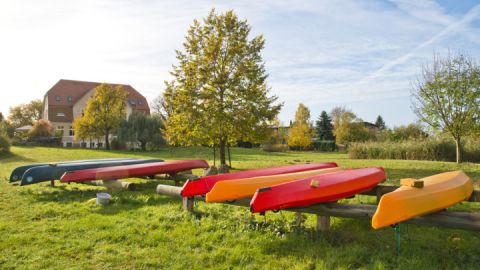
301,129
219,93
347,127
324,127
447,96
141,128
103,113
380,123
42,128
26,114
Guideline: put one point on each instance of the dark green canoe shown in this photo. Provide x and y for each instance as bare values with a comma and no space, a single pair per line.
54,172
18,172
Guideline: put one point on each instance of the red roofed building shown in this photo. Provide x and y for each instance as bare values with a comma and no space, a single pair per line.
66,101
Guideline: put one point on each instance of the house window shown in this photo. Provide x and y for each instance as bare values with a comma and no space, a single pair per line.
61,114
71,132
133,102
99,145
92,145
58,98
60,130
69,98
139,102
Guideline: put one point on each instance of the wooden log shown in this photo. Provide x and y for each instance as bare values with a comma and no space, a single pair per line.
449,219
383,189
113,185
169,190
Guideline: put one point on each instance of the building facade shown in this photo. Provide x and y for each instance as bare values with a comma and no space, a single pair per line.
67,99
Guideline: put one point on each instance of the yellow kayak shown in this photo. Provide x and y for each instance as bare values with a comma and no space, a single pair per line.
246,187
419,197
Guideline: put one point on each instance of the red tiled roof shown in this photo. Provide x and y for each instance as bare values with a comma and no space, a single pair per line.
65,93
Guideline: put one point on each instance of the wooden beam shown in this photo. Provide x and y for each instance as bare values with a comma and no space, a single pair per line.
449,219
383,189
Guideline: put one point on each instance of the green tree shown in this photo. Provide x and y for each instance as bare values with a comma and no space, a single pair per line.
447,96
103,113
380,123
347,127
301,130
219,93
324,127
140,128
26,114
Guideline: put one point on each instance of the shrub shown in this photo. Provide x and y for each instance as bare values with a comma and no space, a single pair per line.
42,128
325,146
438,149
275,147
43,141
157,142
4,145
117,144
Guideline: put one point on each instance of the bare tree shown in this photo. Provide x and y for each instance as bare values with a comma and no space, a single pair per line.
446,96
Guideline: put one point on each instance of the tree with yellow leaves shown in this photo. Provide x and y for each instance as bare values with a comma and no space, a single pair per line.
301,131
103,113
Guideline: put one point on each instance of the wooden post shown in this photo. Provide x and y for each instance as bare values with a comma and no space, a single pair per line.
323,223
188,203
379,194
52,183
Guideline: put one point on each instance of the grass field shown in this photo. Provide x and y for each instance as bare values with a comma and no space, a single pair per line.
60,228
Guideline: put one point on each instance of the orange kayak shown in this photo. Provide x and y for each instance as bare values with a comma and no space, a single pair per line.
438,192
246,187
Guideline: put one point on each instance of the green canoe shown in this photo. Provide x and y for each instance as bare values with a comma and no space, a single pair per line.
54,172
18,172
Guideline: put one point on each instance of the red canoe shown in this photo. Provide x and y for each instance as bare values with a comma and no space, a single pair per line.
119,172
316,189
205,184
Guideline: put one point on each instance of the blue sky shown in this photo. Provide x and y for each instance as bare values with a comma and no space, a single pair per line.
360,54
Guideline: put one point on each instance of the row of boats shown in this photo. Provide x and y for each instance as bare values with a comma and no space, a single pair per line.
273,189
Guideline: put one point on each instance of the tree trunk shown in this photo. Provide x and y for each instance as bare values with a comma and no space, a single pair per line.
144,145
229,157
107,142
214,157
459,152
222,152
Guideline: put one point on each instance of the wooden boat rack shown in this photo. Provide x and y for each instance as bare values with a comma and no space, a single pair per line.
448,219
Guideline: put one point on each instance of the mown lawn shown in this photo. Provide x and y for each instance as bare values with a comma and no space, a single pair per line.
60,228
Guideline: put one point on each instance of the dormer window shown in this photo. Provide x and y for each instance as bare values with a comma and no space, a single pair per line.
139,102
133,102
61,114
58,98
69,98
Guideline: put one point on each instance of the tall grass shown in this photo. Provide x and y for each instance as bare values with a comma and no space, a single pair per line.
437,149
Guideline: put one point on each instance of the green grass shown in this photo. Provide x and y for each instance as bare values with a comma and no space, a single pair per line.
59,227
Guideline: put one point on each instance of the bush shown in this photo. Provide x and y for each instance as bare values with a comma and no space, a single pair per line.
438,149
41,129
42,141
157,142
275,147
4,145
325,146
117,144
